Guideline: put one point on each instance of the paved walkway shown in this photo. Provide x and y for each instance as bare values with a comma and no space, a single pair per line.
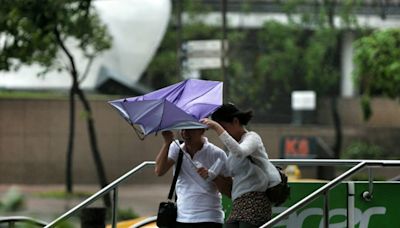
142,199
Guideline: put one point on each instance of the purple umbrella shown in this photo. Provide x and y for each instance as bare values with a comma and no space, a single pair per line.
179,106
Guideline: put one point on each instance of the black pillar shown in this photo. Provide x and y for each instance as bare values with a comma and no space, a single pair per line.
93,217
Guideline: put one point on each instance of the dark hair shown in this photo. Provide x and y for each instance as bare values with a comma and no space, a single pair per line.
227,112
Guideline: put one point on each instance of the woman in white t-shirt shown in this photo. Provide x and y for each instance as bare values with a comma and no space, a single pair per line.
246,163
199,201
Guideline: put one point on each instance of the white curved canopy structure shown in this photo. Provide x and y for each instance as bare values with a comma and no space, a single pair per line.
137,28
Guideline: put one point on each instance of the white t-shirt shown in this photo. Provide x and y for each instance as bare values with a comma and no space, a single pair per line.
198,200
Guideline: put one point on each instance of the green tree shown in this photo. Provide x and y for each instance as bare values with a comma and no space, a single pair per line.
303,54
321,58
282,57
164,68
377,66
36,32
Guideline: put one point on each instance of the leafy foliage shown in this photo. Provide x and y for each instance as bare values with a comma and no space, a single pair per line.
377,66
36,31
28,31
267,64
363,150
12,200
163,69
321,61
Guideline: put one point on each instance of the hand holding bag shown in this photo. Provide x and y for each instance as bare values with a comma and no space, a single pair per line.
167,211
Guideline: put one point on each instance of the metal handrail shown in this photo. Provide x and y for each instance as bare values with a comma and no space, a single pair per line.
335,162
11,220
99,194
301,162
325,188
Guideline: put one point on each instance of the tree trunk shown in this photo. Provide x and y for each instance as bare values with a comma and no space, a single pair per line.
330,8
90,123
93,144
70,146
338,128
327,172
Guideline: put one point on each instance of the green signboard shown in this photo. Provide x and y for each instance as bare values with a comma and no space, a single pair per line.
382,211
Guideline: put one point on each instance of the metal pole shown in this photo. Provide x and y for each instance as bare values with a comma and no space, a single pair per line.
179,37
367,195
223,50
326,209
335,162
370,181
115,207
350,204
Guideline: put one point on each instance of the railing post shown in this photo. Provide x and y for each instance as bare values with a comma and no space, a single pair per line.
114,207
350,204
370,181
93,217
367,195
326,209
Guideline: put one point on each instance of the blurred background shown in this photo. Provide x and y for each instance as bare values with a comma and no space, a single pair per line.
322,76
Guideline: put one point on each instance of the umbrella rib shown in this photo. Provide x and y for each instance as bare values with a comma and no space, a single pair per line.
178,97
162,116
138,133
200,95
143,114
163,113
150,109
125,109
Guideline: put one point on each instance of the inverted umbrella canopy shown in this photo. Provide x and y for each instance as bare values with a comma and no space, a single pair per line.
179,106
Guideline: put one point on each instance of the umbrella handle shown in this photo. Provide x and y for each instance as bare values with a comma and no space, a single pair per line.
185,154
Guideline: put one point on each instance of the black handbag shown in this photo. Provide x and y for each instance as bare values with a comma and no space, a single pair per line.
279,193
167,211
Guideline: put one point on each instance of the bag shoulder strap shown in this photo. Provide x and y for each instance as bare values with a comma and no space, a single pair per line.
177,170
281,173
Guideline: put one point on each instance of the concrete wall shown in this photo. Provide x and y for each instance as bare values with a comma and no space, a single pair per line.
385,114
33,141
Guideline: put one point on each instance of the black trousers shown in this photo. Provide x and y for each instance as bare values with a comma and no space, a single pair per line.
198,225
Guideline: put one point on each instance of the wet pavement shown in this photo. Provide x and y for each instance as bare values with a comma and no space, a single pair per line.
41,203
